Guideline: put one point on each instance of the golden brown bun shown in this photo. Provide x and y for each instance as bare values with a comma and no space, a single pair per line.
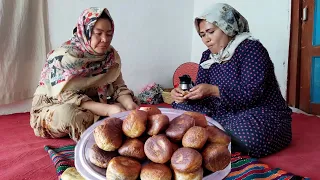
132,148
151,110
135,123
186,160
197,175
108,135
216,157
100,157
71,173
179,126
196,137
157,123
158,149
216,135
155,171
123,168
200,118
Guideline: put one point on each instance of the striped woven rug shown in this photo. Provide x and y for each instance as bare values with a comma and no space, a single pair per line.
243,167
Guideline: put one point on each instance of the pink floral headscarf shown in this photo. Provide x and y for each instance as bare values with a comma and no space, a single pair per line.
83,30
76,58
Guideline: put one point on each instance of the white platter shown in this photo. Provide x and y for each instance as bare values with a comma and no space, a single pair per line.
92,172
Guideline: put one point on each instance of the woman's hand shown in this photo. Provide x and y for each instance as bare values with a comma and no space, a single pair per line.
102,109
202,90
177,94
131,106
127,102
111,109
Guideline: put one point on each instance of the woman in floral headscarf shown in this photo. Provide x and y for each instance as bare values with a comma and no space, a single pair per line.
236,85
81,80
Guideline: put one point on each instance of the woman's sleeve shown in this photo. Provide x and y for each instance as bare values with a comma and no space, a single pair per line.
254,69
73,97
120,88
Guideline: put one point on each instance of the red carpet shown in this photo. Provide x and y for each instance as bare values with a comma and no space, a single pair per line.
302,156
22,155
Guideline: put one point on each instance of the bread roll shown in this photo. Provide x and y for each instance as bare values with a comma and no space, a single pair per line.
186,160
179,126
200,119
158,149
135,123
108,135
123,168
153,171
151,110
100,157
216,157
197,175
195,137
71,173
157,123
216,135
132,148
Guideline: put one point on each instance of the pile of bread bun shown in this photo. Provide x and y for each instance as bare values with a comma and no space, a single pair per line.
147,145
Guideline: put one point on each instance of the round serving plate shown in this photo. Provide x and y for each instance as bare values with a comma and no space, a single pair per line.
92,172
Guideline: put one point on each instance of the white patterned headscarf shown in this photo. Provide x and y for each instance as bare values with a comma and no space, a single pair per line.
232,23
226,18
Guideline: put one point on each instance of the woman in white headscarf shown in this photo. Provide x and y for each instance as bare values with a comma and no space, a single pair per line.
236,85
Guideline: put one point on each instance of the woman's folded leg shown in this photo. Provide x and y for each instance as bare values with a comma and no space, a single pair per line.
62,120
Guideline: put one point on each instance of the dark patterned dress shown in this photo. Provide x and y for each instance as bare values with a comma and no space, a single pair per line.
251,107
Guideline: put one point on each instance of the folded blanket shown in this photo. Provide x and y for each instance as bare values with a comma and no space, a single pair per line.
62,157
242,167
